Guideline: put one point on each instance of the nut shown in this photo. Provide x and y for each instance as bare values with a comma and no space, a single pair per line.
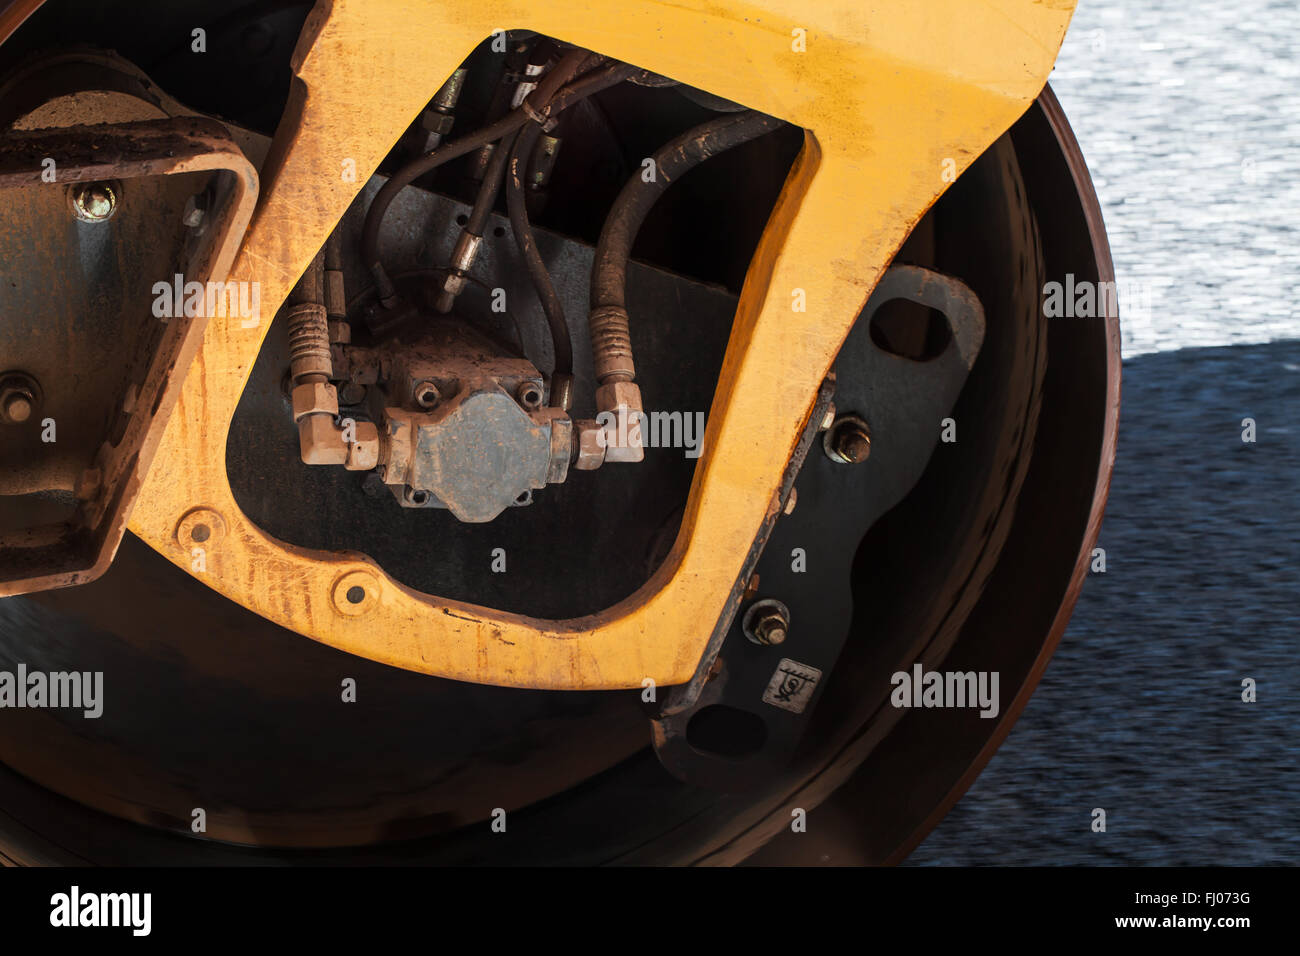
561,444
623,440
340,332
454,284
588,445
616,395
848,441
767,622
770,629
314,398
437,122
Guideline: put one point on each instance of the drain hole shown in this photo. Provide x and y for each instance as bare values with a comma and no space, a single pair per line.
726,731
910,330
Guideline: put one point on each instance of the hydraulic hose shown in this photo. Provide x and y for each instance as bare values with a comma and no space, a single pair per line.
538,104
610,334
516,203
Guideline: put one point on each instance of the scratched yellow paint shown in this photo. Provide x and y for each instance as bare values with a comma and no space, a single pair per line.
887,93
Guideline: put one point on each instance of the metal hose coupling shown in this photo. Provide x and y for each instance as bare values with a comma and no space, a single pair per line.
322,441
611,344
309,342
618,399
462,261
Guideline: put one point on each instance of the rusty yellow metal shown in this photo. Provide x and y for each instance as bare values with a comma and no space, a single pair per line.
896,98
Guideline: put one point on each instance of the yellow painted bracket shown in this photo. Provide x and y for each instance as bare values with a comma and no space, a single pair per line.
895,97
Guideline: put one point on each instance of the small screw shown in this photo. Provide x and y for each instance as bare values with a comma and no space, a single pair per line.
94,202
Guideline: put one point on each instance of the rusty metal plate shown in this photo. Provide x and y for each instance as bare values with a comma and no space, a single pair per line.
92,336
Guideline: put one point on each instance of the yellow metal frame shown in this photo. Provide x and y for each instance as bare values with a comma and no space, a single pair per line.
896,98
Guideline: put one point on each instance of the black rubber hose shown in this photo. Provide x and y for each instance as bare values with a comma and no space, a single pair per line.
491,185
608,319
671,162
516,203
539,101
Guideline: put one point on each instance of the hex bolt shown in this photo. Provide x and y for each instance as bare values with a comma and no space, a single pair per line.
17,406
94,202
18,399
848,441
770,628
767,622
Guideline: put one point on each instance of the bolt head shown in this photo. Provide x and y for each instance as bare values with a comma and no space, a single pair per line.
770,629
17,407
854,446
767,622
94,202
848,441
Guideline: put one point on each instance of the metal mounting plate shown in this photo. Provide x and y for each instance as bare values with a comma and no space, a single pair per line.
79,320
